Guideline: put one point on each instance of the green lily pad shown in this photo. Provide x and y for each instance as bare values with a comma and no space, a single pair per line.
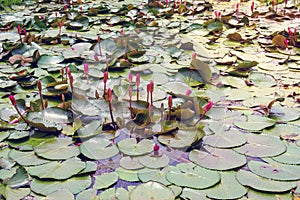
283,114
263,184
283,130
255,123
151,191
87,194
57,170
291,156
127,175
98,148
226,139
13,193
193,194
74,185
130,146
46,61
253,194
131,163
262,146
217,159
105,180
52,149
181,138
274,171
156,175
26,158
190,175
91,129
18,135
60,194
154,162
228,188
262,80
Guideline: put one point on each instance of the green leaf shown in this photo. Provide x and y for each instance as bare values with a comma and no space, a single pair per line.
57,170
60,194
262,146
152,191
128,162
74,185
156,175
98,148
291,156
194,177
127,175
263,184
52,149
217,159
106,180
154,162
12,194
129,146
275,171
255,123
26,158
228,188
90,194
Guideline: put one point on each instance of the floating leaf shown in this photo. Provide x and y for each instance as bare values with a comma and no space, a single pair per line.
52,149
203,69
255,123
189,193
57,170
217,159
26,158
60,194
262,146
262,79
127,175
235,37
154,161
151,191
291,156
156,175
10,193
274,171
131,163
228,188
87,194
130,146
74,185
98,148
226,139
263,184
105,180
193,177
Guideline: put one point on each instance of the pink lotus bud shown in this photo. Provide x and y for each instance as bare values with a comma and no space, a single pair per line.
86,68
194,56
273,4
170,101
156,147
151,86
24,32
73,48
65,7
60,24
252,7
130,78
121,32
216,14
39,84
105,77
99,39
188,92
138,79
237,7
286,42
184,3
19,29
96,57
109,95
167,1
130,92
219,14
80,8
68,70
12,100
290,31
208,106
148,88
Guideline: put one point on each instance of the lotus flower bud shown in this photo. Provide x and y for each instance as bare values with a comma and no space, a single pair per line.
86,68
138,79
12,100
208,106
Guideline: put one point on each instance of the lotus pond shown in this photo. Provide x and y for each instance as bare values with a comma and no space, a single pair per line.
150,100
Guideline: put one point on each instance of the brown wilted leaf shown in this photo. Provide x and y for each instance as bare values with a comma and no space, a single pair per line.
278,40
235,37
